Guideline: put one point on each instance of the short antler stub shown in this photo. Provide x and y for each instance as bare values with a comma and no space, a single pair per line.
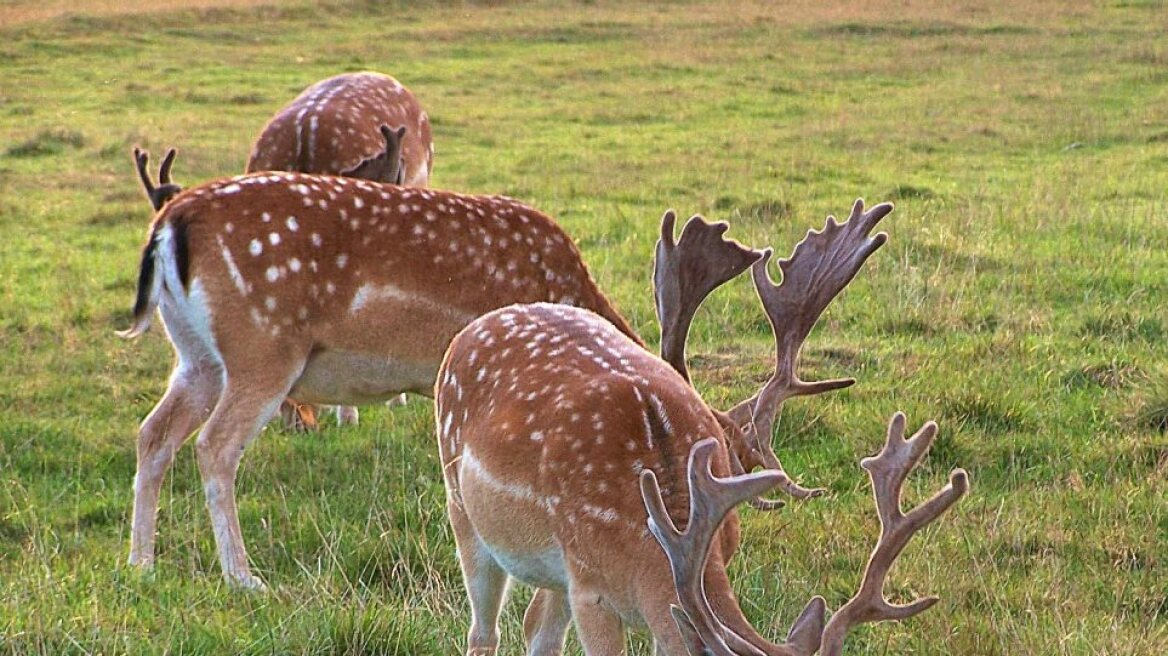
165,189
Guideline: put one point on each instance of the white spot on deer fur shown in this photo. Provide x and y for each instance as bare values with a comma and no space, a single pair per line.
229,227
294,264
255,247
537,436
272,274
606,515
230,189
342,260
232,269
270,303
330,287
358,203
265,217
292,224
316,240
273,238
665,423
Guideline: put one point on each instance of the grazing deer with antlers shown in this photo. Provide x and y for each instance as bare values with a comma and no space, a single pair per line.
330,290
547,415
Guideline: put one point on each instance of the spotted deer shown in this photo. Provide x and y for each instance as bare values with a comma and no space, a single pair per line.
547,415
327,289
358,125
338,126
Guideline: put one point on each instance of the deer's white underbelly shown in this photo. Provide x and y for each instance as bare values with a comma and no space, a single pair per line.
352,378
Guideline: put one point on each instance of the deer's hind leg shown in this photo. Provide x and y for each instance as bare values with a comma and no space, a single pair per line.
257,381
485,580
193,391
546,622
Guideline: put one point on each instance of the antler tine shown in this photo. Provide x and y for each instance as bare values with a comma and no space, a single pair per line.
819,268
710,499
888,470
685,272
141,159
166,189
164,169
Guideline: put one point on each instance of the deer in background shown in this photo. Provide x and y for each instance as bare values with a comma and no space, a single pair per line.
337,127
357,125
327,289
547,415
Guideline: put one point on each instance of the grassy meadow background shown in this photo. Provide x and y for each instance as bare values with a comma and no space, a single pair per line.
1020,300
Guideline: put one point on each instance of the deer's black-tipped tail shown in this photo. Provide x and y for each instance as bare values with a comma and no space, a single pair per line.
149,288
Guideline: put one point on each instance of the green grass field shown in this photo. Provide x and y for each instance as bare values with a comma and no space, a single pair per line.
1020,302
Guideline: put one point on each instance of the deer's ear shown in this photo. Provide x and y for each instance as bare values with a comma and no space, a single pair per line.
385,166
807,631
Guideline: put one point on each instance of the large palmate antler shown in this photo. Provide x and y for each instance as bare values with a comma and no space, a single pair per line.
816,272
685,272
712,498
165,189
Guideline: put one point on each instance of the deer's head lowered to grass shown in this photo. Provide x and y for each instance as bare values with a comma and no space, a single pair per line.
547,418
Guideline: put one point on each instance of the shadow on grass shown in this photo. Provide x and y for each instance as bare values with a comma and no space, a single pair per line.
48,142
